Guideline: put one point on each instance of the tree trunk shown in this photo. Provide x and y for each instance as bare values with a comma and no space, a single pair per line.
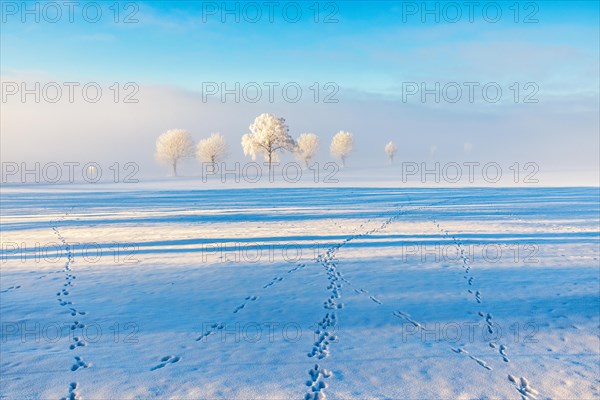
270,154
174,168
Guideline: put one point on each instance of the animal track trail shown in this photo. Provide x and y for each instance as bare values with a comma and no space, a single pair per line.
501,350
212,329
361,291
166,360
238,308
296,268
461,350
274,281
325,337
219,326
73,395
243,305
269,284
522,386
408,318
466,263
482,363
69,283
379,228
527,393
11,288
324,331
215,327
401,210
62,296
79,363
316,383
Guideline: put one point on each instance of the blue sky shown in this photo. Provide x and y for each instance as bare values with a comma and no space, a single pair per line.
369,53
370,47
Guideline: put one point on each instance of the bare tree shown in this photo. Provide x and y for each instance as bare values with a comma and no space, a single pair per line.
341,145
268,136
306,147
172,146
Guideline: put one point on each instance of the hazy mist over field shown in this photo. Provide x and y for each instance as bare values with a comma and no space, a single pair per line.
178,54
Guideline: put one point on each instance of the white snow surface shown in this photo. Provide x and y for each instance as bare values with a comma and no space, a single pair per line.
363,293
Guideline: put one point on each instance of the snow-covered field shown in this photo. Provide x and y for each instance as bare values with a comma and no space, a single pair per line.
286,293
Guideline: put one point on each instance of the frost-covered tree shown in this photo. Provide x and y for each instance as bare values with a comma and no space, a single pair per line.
172,146
306,147
212,149
390,150
341,145
268,137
